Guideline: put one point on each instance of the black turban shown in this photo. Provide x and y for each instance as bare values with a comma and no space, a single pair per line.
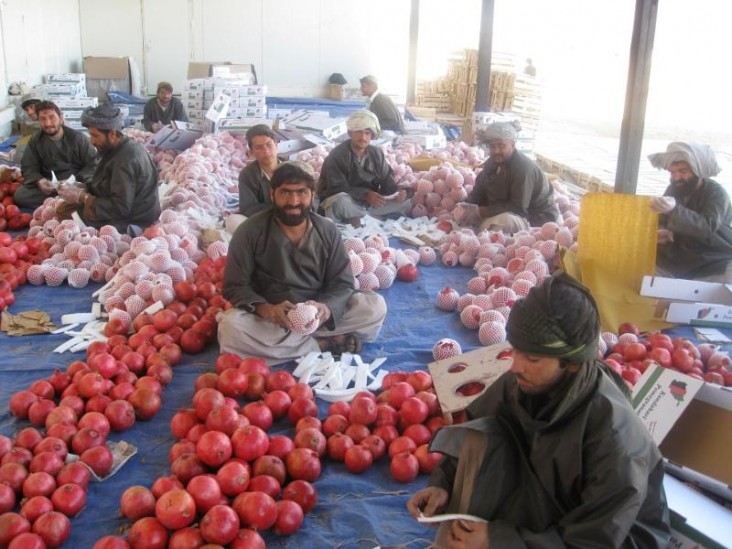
103,117
557,319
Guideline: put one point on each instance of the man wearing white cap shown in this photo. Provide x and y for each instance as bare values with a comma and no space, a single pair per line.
356,179
511,191
695,238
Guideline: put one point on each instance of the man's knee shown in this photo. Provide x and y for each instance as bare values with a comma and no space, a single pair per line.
28,196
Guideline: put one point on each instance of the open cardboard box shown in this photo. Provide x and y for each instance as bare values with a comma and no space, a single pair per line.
206,69
690,301
176,136
690,421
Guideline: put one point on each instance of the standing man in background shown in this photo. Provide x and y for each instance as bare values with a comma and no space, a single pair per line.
56,148
695,227
381,105
162,109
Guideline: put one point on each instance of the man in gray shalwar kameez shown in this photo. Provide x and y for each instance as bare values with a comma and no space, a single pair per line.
55,148
286,255
695,238
124,189
553,454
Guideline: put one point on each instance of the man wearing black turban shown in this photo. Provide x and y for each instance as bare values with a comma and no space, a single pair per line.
552,455
124,189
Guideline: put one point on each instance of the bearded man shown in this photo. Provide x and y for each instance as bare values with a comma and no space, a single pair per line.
55,148
695,238
124,189
356,179
553,454
285,255
162,109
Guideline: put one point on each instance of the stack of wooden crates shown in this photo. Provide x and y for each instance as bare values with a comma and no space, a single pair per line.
510,90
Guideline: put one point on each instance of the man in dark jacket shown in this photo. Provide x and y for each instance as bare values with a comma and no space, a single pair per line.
286,255
695,238
124,189
55,148
356,179
162,109
381,105
553,455
511,191
254,195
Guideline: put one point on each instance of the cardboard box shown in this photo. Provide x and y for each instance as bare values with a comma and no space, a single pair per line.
696,521
192,104
204,69
78,103
204,84
64,77
690,301
170,137
426,141
247,112
310,121
461,379
106,74
192,94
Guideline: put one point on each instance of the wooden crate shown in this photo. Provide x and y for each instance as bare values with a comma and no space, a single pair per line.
440,102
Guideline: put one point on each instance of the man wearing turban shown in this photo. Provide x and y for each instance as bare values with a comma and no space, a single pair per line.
511,191
162,109
695,238
124,189
356,179
552,454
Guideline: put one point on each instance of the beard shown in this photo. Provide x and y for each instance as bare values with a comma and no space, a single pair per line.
291,220
52,132
684,187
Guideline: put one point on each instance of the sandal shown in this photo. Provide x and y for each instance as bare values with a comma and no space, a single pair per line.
337,345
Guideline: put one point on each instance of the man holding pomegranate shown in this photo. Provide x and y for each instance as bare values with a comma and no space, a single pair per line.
552,454
288,255
55,148
124,189
695,238
356,179
511,191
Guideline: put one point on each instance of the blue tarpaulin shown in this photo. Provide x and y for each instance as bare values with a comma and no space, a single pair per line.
361,511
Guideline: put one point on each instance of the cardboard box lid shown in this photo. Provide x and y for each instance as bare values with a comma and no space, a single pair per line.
461,379
112,68
690,301
205,69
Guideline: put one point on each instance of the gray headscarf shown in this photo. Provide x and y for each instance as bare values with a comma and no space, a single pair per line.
103,117
699,156
499,130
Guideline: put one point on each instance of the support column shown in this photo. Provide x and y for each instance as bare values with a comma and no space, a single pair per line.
636,96
485,52
412,66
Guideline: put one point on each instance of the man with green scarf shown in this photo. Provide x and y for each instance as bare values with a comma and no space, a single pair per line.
552,455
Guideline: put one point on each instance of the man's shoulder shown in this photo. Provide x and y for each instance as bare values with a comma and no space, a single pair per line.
251,169
70,134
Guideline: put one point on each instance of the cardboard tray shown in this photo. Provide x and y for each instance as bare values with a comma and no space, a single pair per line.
690,301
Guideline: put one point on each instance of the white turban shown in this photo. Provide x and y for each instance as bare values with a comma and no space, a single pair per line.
499,130
699,156
363,120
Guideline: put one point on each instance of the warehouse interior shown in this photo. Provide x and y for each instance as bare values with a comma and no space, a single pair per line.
614,82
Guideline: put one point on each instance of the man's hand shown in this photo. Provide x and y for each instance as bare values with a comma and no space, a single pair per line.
45,185
323,311
665,236
72,194
663,204
401,196
467,534
276,314
374,199
428,501
156,126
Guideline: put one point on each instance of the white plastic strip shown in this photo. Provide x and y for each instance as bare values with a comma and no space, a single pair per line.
154,308
68,345
77,317
65,328
100,290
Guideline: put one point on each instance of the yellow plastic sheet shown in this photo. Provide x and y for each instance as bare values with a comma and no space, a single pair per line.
617,247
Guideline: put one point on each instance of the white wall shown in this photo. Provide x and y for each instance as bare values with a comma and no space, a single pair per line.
36,37
295,45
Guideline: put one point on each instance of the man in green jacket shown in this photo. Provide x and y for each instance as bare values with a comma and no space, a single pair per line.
553,455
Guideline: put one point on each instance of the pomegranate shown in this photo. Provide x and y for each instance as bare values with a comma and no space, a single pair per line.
175,509
256,510
53,527
137,502
234,478
69,499
36,506
220,524
205,491
214,448
148,533
358,458
404,467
